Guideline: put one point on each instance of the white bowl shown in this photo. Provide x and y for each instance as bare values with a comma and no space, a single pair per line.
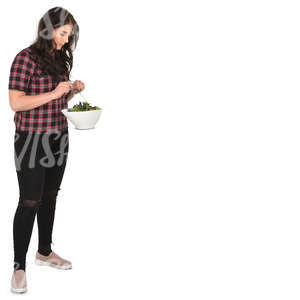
83,119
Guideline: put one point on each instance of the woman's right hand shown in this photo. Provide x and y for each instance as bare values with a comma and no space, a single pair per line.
62,88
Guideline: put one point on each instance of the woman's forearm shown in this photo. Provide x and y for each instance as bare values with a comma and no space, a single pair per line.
25,102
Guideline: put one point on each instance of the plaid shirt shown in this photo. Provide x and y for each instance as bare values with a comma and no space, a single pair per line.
25,75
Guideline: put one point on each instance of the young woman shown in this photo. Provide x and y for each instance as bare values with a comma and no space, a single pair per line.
39,88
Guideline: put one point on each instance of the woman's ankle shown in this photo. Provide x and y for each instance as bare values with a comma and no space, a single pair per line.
44,250
19,266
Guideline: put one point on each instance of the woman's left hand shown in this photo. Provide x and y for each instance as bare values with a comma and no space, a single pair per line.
78,86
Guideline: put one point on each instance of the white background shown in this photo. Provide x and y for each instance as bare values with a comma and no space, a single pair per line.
188,187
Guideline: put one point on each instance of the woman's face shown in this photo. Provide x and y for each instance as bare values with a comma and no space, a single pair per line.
61,35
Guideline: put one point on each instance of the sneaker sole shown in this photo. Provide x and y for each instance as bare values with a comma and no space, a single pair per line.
49,264
18,290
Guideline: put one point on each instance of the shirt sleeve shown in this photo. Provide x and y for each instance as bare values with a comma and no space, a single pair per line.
21,70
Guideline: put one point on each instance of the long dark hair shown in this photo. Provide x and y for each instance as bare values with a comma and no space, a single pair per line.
56,63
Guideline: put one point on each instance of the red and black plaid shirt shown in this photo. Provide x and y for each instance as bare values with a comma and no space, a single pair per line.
25,75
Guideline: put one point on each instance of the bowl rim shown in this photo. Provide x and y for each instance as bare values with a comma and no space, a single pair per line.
93,110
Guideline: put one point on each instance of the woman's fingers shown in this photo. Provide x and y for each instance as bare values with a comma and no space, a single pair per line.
66,84
79,85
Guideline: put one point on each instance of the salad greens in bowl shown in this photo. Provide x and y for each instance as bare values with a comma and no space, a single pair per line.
83,115
83,106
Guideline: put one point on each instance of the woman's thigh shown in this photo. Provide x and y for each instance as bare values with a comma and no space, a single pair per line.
30,173
59,148
40,161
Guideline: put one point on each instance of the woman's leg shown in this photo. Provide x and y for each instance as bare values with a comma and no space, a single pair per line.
53,178
31,180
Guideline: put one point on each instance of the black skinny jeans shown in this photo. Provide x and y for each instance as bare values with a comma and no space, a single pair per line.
40,161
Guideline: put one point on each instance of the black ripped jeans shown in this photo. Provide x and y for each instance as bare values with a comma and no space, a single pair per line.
40,161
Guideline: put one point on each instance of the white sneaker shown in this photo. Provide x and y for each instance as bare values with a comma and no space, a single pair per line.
18,282
52,260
